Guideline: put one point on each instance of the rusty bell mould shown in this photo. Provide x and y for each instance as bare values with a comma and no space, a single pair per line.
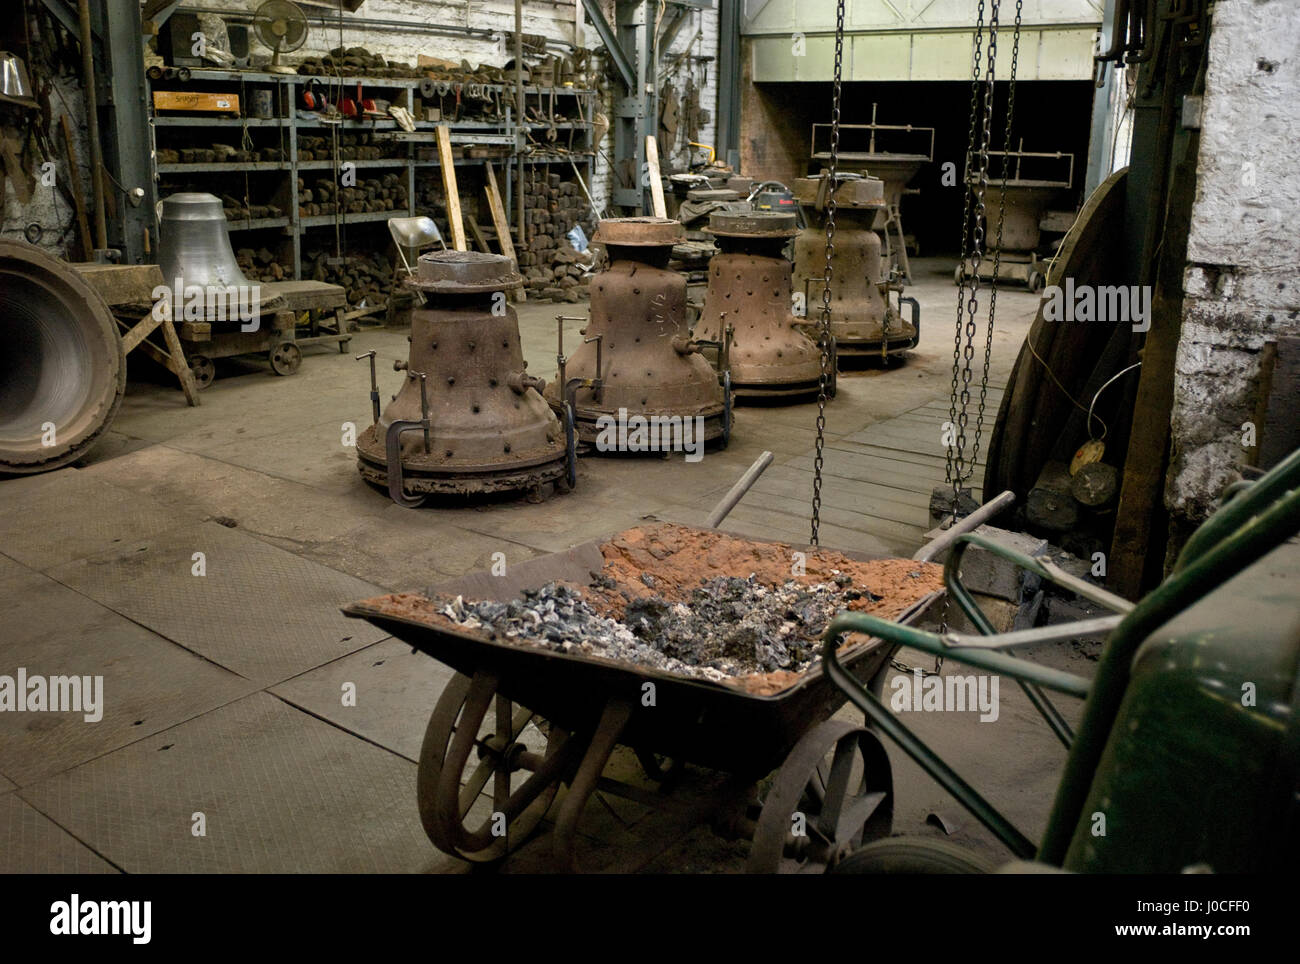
749,299
863,322
468,418
637,363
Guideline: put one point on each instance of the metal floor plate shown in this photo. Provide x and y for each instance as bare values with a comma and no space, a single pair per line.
281,792
149,684
31,844
66,515
259,611
396,690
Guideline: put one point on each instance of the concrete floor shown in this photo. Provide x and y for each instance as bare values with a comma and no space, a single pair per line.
223,691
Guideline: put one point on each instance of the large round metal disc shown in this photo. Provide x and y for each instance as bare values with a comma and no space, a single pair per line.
62,372
639,232
464,272
753,224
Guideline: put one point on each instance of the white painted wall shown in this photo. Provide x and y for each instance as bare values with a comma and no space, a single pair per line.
1242,283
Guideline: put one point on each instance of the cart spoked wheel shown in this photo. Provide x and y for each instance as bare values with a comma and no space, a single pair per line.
285,358
834,792
203,369
458,763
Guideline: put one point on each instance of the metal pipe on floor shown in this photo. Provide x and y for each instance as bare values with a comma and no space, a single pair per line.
987,511
737,491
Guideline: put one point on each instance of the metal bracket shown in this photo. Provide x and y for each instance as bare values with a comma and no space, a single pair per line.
621,60
374,383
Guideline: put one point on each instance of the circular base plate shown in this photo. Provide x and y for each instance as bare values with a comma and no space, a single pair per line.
855,349
466,483
588,431
753,390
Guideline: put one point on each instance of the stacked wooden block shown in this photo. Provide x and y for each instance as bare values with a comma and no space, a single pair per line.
550,265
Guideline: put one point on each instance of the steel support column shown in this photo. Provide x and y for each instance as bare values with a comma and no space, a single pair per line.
1103,111
728,148
636,115
125,122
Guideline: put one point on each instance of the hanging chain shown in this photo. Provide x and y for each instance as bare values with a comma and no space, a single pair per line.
824,326
997,247
958,467
952,472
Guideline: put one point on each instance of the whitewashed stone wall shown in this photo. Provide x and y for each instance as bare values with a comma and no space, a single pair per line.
1242,283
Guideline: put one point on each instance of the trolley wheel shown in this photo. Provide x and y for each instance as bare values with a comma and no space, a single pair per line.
834,791
203,369
1036,281
521,783
919,855
285,358
726,409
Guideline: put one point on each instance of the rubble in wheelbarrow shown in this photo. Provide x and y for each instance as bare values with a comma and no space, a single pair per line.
691,602
702,603
729,627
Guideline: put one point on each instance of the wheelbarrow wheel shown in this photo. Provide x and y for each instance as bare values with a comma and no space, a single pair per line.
481,789
834,792
903,855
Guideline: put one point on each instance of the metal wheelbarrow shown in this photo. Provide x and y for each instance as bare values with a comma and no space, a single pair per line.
833,792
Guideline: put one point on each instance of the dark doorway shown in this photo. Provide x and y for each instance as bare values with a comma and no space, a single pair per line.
1050,115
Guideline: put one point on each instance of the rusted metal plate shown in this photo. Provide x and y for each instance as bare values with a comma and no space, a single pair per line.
227,615
395,688
31,843
139,683
280,792
78,515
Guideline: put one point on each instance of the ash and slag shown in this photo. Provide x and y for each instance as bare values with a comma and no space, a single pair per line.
729,627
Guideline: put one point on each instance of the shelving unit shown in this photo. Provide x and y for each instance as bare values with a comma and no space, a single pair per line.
278,179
